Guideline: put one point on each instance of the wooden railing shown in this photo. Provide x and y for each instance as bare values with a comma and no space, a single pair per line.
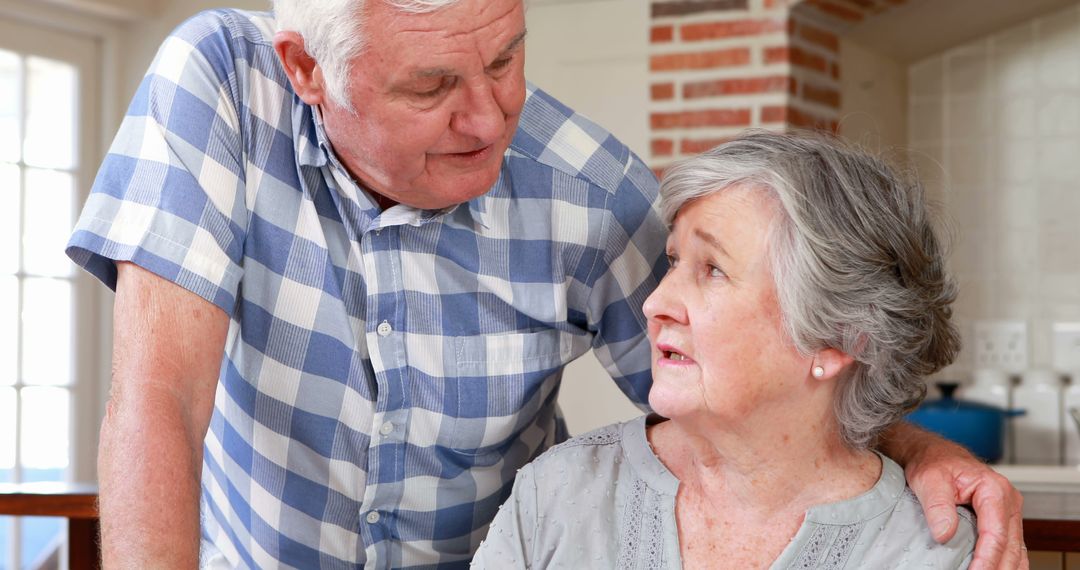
77,503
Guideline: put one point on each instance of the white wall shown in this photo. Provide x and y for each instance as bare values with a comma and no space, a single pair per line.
1001,116
591,54
873,98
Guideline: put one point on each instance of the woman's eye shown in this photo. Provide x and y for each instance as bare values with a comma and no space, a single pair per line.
672,261
715,271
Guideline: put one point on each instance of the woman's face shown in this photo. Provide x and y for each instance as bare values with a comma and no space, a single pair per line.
714,321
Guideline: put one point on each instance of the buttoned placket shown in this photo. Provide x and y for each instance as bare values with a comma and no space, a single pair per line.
385,317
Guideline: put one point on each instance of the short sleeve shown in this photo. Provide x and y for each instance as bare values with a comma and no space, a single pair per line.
634,262
509,542
169,196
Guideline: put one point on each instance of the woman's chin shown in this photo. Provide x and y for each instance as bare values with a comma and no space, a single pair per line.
669,405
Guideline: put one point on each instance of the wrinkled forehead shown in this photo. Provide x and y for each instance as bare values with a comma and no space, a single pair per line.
485,24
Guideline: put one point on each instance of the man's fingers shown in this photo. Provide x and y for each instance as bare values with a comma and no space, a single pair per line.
1000,526
989,549
943,519
937,493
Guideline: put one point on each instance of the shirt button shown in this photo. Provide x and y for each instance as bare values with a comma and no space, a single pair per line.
384,328
372,517
386,429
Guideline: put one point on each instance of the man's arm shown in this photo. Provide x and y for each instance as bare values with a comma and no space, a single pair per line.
943,475
168,344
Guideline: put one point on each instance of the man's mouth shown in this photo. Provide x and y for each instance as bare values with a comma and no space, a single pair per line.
472,153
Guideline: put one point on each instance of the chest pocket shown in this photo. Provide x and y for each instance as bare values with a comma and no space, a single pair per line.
502,382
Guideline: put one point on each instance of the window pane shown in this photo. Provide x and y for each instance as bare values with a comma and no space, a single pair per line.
5,536
9,330
7,437
46,321
10,87
50,197
45,438
10,194
40,537
50,113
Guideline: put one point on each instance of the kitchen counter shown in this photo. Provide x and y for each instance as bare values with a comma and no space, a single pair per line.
1051,505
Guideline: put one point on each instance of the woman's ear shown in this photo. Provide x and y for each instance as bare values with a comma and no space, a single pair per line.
829,363
304,72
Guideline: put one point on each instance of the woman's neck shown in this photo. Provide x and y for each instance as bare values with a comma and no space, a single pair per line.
765,472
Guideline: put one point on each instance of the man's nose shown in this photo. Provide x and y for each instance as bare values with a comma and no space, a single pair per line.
480,116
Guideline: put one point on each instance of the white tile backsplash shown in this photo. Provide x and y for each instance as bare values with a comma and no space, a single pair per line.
995,131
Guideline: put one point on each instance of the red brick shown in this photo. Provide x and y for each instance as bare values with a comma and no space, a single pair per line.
687,7
773,114
740,86
777,54
836,10
793,87
825,39
704,118
803,58
662,147
662,91
698,146
834,70
799,118
658,171
700,60
661,34
822,95
729,29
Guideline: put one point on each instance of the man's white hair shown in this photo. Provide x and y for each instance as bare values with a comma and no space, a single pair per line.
333,32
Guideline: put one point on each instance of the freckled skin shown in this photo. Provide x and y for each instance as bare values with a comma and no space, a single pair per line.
751,434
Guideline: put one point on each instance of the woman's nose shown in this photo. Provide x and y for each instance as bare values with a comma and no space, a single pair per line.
665,302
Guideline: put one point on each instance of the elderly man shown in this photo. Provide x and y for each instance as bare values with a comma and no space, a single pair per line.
352,258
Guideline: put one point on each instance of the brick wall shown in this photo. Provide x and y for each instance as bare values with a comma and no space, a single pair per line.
720,66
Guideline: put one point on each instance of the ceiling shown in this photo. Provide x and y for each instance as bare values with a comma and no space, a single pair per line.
921,28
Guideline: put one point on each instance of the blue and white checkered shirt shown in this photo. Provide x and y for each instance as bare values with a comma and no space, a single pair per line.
386,372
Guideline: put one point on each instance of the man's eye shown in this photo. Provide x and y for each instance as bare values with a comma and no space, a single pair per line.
500,63
438,90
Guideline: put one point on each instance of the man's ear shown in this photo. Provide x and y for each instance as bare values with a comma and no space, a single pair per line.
304,73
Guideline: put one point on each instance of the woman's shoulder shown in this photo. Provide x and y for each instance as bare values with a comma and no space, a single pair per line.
904,534
605,442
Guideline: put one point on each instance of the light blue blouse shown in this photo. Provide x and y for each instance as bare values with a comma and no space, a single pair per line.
604,500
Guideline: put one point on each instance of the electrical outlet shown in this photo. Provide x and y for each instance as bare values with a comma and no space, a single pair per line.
1067,347
1001,345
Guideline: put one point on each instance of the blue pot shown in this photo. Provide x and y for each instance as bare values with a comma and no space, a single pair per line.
977,426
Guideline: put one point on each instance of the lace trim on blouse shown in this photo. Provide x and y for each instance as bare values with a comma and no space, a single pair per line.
829,547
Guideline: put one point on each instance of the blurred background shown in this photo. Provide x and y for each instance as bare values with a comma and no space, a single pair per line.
980,97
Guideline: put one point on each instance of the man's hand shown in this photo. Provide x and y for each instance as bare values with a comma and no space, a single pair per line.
943,475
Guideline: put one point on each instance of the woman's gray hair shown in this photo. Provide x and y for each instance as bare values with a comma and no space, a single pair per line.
333,33
856,262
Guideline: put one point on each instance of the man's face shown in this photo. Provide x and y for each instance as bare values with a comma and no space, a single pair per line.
437,98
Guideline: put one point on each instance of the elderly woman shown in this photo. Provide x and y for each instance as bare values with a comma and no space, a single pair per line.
805,302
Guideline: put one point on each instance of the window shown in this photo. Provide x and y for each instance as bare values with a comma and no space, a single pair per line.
48,88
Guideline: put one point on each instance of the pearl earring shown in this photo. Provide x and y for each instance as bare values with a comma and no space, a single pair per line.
819,371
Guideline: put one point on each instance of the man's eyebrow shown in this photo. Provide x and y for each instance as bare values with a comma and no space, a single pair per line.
512,44
441,71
